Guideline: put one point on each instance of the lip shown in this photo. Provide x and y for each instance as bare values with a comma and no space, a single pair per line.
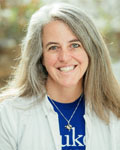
74,67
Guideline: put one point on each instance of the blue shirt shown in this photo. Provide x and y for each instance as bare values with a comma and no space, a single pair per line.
75,138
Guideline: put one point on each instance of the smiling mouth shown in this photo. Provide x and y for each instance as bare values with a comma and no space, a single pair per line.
68,68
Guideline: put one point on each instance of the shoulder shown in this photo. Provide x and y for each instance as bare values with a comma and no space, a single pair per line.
16,117
13,103
115,123
108,132
15,108
113,126
6,108
18,111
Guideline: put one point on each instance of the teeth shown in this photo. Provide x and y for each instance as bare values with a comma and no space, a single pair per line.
65,69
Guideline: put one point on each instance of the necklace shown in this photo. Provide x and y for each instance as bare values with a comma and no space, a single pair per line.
68,126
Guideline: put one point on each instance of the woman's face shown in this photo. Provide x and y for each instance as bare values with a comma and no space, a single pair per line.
64,57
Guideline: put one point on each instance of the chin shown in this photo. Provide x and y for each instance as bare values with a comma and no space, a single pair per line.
69,85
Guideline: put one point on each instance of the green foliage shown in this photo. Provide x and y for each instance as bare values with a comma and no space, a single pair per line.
14,20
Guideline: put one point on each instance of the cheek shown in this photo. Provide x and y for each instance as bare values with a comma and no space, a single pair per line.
85,58
49,60
82,57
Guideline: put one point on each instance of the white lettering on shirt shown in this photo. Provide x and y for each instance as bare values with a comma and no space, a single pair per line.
75,141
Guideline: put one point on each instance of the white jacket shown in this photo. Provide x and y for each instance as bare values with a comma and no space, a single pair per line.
37,128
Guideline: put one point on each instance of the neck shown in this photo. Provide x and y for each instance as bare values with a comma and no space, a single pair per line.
63,94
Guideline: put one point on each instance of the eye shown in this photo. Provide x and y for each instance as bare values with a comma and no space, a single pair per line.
53,47
75,45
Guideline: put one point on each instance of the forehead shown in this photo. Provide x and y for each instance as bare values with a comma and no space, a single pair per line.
57,29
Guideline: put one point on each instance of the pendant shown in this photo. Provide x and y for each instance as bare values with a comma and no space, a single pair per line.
69,127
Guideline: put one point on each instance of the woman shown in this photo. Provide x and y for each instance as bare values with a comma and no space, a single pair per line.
63,94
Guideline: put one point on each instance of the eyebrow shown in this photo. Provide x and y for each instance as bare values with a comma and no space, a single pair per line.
74,40
50,43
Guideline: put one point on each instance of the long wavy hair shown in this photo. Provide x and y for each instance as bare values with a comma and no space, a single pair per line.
101,89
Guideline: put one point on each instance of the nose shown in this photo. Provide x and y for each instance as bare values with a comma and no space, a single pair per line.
64,56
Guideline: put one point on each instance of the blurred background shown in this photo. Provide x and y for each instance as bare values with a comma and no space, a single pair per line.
15,15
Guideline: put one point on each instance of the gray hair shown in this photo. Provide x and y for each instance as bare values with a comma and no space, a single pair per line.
79,23
100,86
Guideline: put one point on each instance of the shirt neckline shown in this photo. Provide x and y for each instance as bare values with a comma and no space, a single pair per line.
70,105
